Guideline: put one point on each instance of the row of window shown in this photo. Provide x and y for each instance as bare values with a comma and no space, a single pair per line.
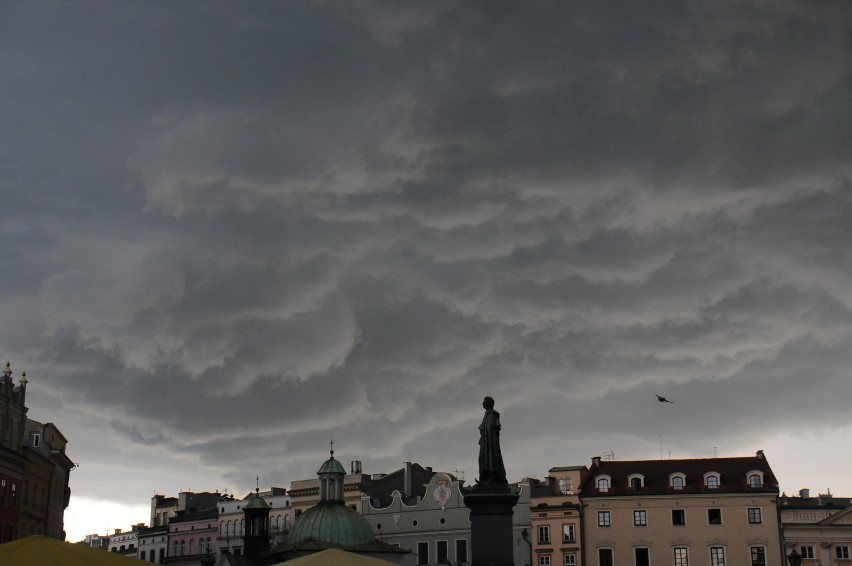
640,519
714,517
236,528
680,557
568,533
841,552
180,548
153,555
567,560
677,481
442,555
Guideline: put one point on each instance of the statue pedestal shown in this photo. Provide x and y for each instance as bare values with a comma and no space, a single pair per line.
491,538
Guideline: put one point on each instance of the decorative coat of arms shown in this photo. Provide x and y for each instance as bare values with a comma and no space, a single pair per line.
443,493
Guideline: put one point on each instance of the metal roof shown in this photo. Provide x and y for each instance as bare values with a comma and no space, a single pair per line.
333,523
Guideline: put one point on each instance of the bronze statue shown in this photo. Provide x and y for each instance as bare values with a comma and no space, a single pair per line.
491,469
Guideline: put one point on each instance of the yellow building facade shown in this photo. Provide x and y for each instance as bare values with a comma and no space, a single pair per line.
556,518
696,512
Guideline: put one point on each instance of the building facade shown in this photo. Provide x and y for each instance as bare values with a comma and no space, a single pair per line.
819,528
424,512
231,528
13,461
555,515
126,542
48,477
153,544
697,512
34,468
193,537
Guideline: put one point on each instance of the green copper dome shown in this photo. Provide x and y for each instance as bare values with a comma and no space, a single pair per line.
331,466
332,523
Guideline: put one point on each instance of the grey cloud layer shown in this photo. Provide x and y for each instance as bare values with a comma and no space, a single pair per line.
232,234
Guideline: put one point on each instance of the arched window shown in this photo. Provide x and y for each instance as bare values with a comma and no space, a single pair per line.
677,481
175,549
209,545
711,481
182,548
636,481
755,480
603,484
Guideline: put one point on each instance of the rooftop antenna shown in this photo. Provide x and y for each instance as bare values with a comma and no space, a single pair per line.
713,452
457,472
661,446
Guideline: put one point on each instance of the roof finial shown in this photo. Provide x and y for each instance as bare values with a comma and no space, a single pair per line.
8,371
24,378
257,489
331,450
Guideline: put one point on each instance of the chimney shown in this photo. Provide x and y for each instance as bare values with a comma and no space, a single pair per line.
804,493
596,461
406,486
356,466
760,455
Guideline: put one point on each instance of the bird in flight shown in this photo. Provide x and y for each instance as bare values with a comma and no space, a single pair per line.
662,399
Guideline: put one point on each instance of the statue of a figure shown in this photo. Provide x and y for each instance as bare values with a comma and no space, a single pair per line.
491,468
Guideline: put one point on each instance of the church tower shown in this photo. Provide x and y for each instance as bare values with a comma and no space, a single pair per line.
256,538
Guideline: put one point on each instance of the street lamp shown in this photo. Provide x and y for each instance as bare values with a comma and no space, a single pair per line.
794,558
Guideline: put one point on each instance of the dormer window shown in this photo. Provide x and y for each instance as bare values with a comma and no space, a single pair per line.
603,484
755,479
711,480
677,481
636,481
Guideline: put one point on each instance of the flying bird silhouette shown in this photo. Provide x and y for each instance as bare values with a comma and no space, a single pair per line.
662,399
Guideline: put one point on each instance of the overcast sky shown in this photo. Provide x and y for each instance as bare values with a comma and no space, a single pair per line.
230,232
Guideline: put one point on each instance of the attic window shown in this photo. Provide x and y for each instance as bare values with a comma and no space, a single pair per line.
677,482
755,479
636,482
603,484
711,480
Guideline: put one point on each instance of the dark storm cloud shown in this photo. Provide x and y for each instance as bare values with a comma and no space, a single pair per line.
235,233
